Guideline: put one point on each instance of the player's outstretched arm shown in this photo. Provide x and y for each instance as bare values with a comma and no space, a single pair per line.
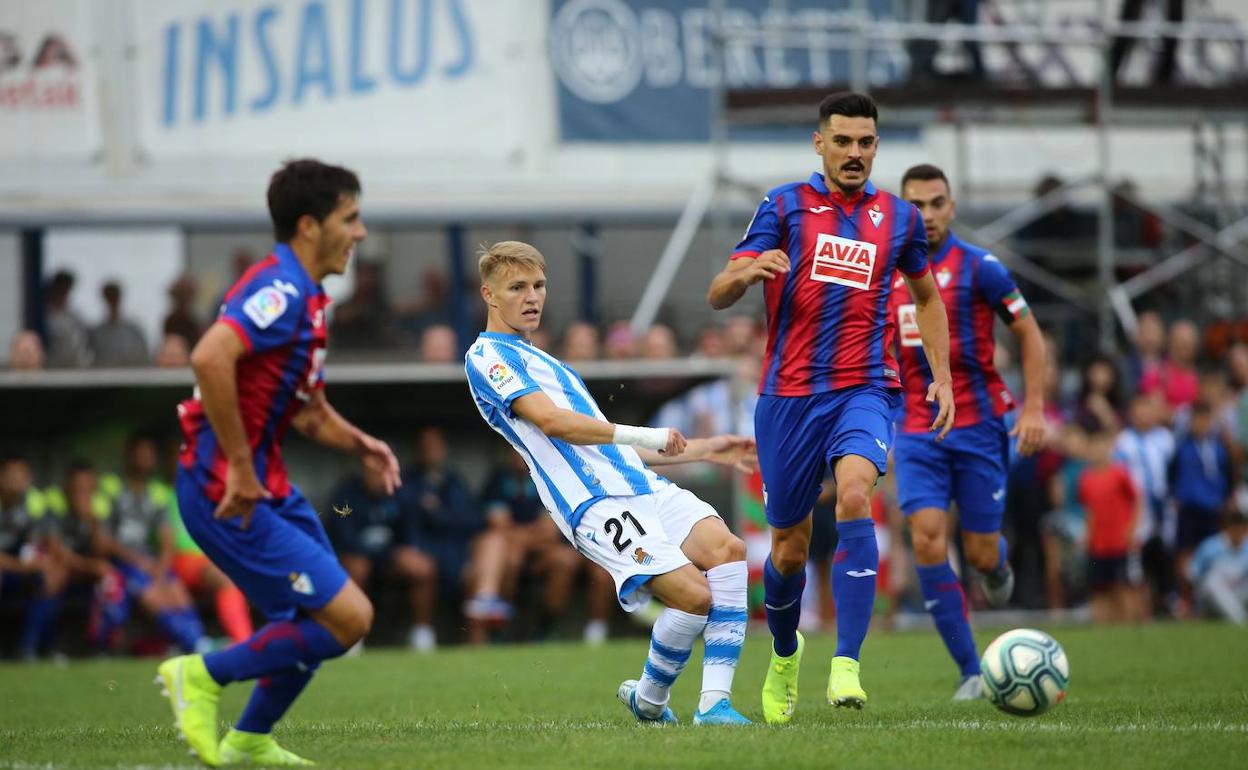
576,428
215,362
742,273
319,421
929,312
1031,426
737,452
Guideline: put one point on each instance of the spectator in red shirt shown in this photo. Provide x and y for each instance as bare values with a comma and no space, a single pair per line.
1112,502
1176,378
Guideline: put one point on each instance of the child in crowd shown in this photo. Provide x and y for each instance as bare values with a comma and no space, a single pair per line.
1112,502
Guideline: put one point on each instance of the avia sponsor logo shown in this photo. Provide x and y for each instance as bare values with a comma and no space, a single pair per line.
843,261
908,327
38,73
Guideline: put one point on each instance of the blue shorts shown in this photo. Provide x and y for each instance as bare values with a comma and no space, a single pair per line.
968,467
800,438
282,562
136,580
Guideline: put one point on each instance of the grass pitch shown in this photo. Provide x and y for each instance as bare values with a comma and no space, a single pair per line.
1161,696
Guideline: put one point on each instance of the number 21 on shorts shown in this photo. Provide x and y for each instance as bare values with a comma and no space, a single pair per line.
615,528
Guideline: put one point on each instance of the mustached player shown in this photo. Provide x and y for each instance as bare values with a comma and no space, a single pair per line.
826,251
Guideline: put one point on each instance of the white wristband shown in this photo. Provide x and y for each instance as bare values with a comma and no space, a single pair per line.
650,438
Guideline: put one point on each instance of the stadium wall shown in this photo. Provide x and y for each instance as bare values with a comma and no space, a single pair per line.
118,106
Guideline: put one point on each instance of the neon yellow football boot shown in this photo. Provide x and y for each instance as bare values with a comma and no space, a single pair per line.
241,748
193,694
780,686
844,689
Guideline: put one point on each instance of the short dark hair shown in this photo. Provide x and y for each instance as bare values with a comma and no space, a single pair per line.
850,104
924,172
307,186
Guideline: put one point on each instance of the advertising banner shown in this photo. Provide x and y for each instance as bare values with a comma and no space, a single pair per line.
402,77
48,107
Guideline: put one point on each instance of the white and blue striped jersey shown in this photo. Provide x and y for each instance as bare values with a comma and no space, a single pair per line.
569,477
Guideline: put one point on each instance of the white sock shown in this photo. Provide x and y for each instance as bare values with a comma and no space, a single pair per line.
422,638
725,628
596,632
671,643
710,697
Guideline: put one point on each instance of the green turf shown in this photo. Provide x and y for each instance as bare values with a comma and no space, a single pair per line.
1161,696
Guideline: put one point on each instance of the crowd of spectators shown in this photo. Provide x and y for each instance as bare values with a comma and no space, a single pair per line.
1145,455
487,560
1131,509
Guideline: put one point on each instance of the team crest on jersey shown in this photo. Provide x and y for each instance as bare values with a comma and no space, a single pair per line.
641,557
876,215
265,306
843,261
300,583
908,327
499,375
943,277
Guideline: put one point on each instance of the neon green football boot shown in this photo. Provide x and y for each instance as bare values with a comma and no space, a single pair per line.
844,689
780,686
193,694
242,748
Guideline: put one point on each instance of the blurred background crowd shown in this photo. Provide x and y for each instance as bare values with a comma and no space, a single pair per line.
1130,513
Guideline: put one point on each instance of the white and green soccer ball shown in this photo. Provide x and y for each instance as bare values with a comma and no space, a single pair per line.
1025,672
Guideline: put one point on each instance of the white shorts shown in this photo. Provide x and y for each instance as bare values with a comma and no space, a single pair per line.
636,538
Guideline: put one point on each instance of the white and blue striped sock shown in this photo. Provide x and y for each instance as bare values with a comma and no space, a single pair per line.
671,643
725,630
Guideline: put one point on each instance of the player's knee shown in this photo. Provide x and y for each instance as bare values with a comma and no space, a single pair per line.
983,554
696,599
790,558
852,501
728,550
929,545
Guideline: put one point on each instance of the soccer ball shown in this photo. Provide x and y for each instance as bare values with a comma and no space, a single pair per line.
1025,672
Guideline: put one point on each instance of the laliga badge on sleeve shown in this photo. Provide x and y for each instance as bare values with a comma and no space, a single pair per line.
265,306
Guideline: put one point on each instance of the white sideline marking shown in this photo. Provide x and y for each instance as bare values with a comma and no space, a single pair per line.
1041,724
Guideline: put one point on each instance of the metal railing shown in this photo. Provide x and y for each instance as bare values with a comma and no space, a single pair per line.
858,32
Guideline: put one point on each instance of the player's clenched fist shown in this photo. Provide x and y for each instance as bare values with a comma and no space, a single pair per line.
767,265
676,443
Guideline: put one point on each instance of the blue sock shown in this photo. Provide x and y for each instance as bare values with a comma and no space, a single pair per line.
782,598
945,600
854,567
181,625
40,615
278,648
271,698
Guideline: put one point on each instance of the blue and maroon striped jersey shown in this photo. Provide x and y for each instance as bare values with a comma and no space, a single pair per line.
974,286
828,325
279,314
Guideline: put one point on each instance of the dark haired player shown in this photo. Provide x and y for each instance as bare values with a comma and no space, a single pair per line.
258,373
970,465
826,251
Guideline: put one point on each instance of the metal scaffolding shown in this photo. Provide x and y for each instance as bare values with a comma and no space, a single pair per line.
1103,106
